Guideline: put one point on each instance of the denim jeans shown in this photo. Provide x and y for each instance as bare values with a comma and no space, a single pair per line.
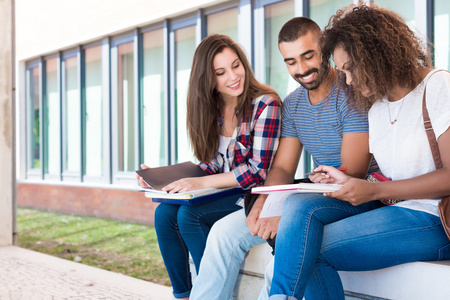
319,236
299,238
227,244
182,229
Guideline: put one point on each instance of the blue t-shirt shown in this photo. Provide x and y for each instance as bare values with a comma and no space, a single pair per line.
320,127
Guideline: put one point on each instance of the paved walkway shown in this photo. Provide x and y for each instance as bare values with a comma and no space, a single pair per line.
30,275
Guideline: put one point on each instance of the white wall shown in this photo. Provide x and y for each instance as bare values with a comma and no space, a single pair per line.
44,26
6,124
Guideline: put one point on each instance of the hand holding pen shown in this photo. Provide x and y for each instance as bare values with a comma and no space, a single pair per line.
323,172
327,174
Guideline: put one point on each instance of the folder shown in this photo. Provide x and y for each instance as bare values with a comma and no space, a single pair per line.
157,178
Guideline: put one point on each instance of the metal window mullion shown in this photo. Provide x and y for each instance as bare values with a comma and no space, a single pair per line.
60,89
42,97
81,84
137,62
171,104
167,93
114,110
430,27
246,29
107,124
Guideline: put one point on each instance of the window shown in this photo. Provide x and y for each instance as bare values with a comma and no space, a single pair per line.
224,22
33,98
93,113
405,8
322,10
442,34
276,74
71,118
154,100
52,121
125,108
184,52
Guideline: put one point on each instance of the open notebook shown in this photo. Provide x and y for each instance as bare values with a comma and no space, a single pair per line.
298,188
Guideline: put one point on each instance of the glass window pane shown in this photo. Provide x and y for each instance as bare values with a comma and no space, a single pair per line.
52,141
184,53
93,135
153,110
125,107
405,8
72,115
277,75
322,10
224,22
34,157
442,34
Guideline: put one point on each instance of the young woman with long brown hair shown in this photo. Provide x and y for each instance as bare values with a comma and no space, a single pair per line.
233,123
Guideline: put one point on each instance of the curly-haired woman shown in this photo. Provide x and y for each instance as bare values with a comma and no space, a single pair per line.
233,123
386,68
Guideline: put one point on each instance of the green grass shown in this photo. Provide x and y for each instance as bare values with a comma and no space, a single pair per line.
127,248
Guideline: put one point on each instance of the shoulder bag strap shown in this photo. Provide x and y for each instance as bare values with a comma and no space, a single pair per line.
444,205
429,128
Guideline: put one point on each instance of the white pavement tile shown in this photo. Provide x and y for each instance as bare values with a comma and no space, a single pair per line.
29,275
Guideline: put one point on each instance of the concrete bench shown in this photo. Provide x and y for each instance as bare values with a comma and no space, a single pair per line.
418,280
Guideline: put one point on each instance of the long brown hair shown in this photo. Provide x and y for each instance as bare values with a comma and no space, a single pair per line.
203,99
384,52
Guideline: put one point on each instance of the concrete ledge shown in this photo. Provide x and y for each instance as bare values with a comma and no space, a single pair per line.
418,280
413,281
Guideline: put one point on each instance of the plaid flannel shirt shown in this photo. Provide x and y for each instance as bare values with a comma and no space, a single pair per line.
253,145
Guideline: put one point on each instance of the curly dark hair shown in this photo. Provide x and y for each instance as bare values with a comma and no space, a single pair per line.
384,52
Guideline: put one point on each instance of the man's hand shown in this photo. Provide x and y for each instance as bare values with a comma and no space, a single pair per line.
268,227
264,228
253,216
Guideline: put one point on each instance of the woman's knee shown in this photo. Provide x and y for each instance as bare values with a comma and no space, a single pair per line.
165,216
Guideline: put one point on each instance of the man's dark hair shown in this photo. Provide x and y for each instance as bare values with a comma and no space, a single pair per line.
297,27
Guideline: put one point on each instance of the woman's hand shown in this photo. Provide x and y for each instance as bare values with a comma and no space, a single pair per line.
356,191
141,180
184,185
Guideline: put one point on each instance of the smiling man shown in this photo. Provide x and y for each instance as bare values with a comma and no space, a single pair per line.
314,116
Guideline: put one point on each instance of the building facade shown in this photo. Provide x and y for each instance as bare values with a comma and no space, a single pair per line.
101,86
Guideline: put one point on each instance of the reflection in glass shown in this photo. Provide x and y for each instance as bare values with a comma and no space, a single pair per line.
153,110
125,107
404,8
224,22
184,53
322,10
72,115
34,156
442,34
52,119
276,74
93,132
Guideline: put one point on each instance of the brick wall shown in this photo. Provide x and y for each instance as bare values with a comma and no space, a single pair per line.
100,202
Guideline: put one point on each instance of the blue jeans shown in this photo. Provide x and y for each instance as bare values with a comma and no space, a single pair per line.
299,238
319,236
182,230
226,247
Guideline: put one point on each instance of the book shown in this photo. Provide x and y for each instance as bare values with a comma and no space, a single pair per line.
192,197
157,178
298,188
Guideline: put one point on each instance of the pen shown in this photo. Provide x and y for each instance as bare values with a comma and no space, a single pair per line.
313,173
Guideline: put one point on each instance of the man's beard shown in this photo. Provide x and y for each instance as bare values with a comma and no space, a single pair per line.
313,84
